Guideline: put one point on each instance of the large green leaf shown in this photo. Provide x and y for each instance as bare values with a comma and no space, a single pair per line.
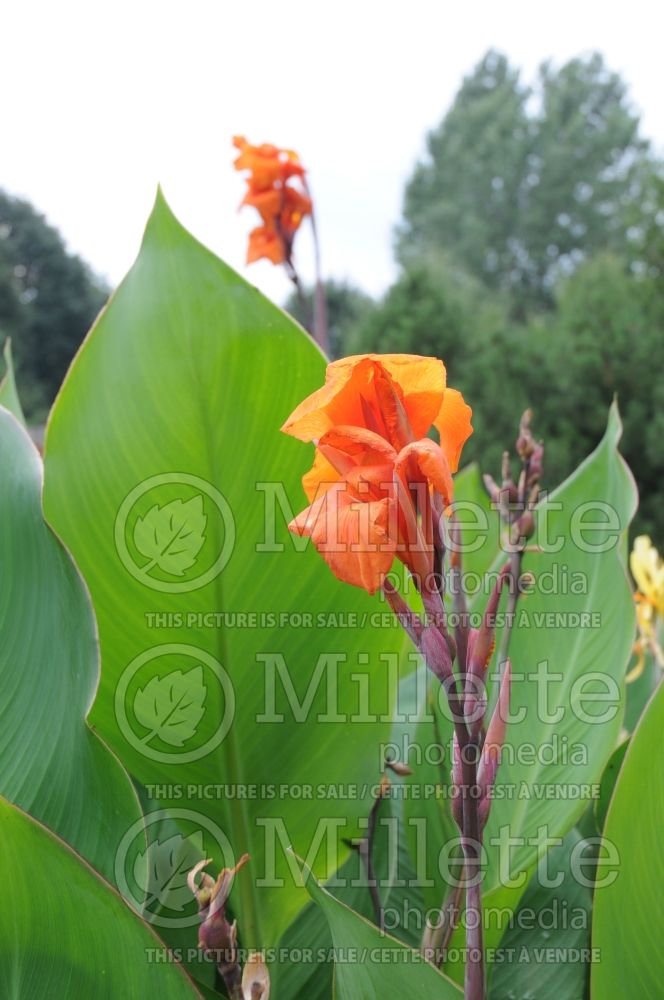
545,951
178,394
64,932
627,912
51,764
369,963
640,690
608,783
400,898
553,789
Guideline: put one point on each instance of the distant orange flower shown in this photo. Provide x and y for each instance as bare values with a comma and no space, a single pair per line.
281,206
377,480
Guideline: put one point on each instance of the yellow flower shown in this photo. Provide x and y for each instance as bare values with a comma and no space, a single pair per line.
648,571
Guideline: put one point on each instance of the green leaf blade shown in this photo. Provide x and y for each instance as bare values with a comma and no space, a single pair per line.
51,764
64,932
179,390
627,905
373,964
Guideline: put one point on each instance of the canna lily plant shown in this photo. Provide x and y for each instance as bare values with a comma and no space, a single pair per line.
203,724
380,490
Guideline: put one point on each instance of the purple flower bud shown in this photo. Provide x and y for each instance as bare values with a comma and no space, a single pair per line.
436,652
491,751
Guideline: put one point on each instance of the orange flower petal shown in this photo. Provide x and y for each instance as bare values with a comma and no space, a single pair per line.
351,536
420,381
267,164
341,452
268,203
371,481
359,444
390,407
320,477
296,206
264,241
425,461
296,201
339,401
454,426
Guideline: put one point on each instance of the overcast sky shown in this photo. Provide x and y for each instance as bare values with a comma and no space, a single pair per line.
101,101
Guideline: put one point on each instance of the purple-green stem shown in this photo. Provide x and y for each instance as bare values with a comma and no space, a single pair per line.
469,753
469,749
470,834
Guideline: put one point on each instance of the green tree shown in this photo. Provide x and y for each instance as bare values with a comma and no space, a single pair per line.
521,187
462,198
608,338
48,299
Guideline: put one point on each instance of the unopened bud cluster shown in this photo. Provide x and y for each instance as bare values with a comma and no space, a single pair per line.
218,938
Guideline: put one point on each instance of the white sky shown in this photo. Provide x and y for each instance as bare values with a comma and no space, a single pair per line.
101,101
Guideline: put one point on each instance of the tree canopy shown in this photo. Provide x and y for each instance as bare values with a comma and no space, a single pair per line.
520,184
48,300
531,254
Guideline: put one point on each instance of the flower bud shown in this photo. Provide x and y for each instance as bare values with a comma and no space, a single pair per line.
493,744
536,465
524,528
215,933
482,641
474,703
436,652
525,443
255,978
492,489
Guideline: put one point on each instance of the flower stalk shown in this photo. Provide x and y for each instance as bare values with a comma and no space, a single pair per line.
379,490
217,937
516,504
278,189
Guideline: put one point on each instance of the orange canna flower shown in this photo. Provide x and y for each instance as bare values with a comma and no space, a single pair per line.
377,482
267,164
281,206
